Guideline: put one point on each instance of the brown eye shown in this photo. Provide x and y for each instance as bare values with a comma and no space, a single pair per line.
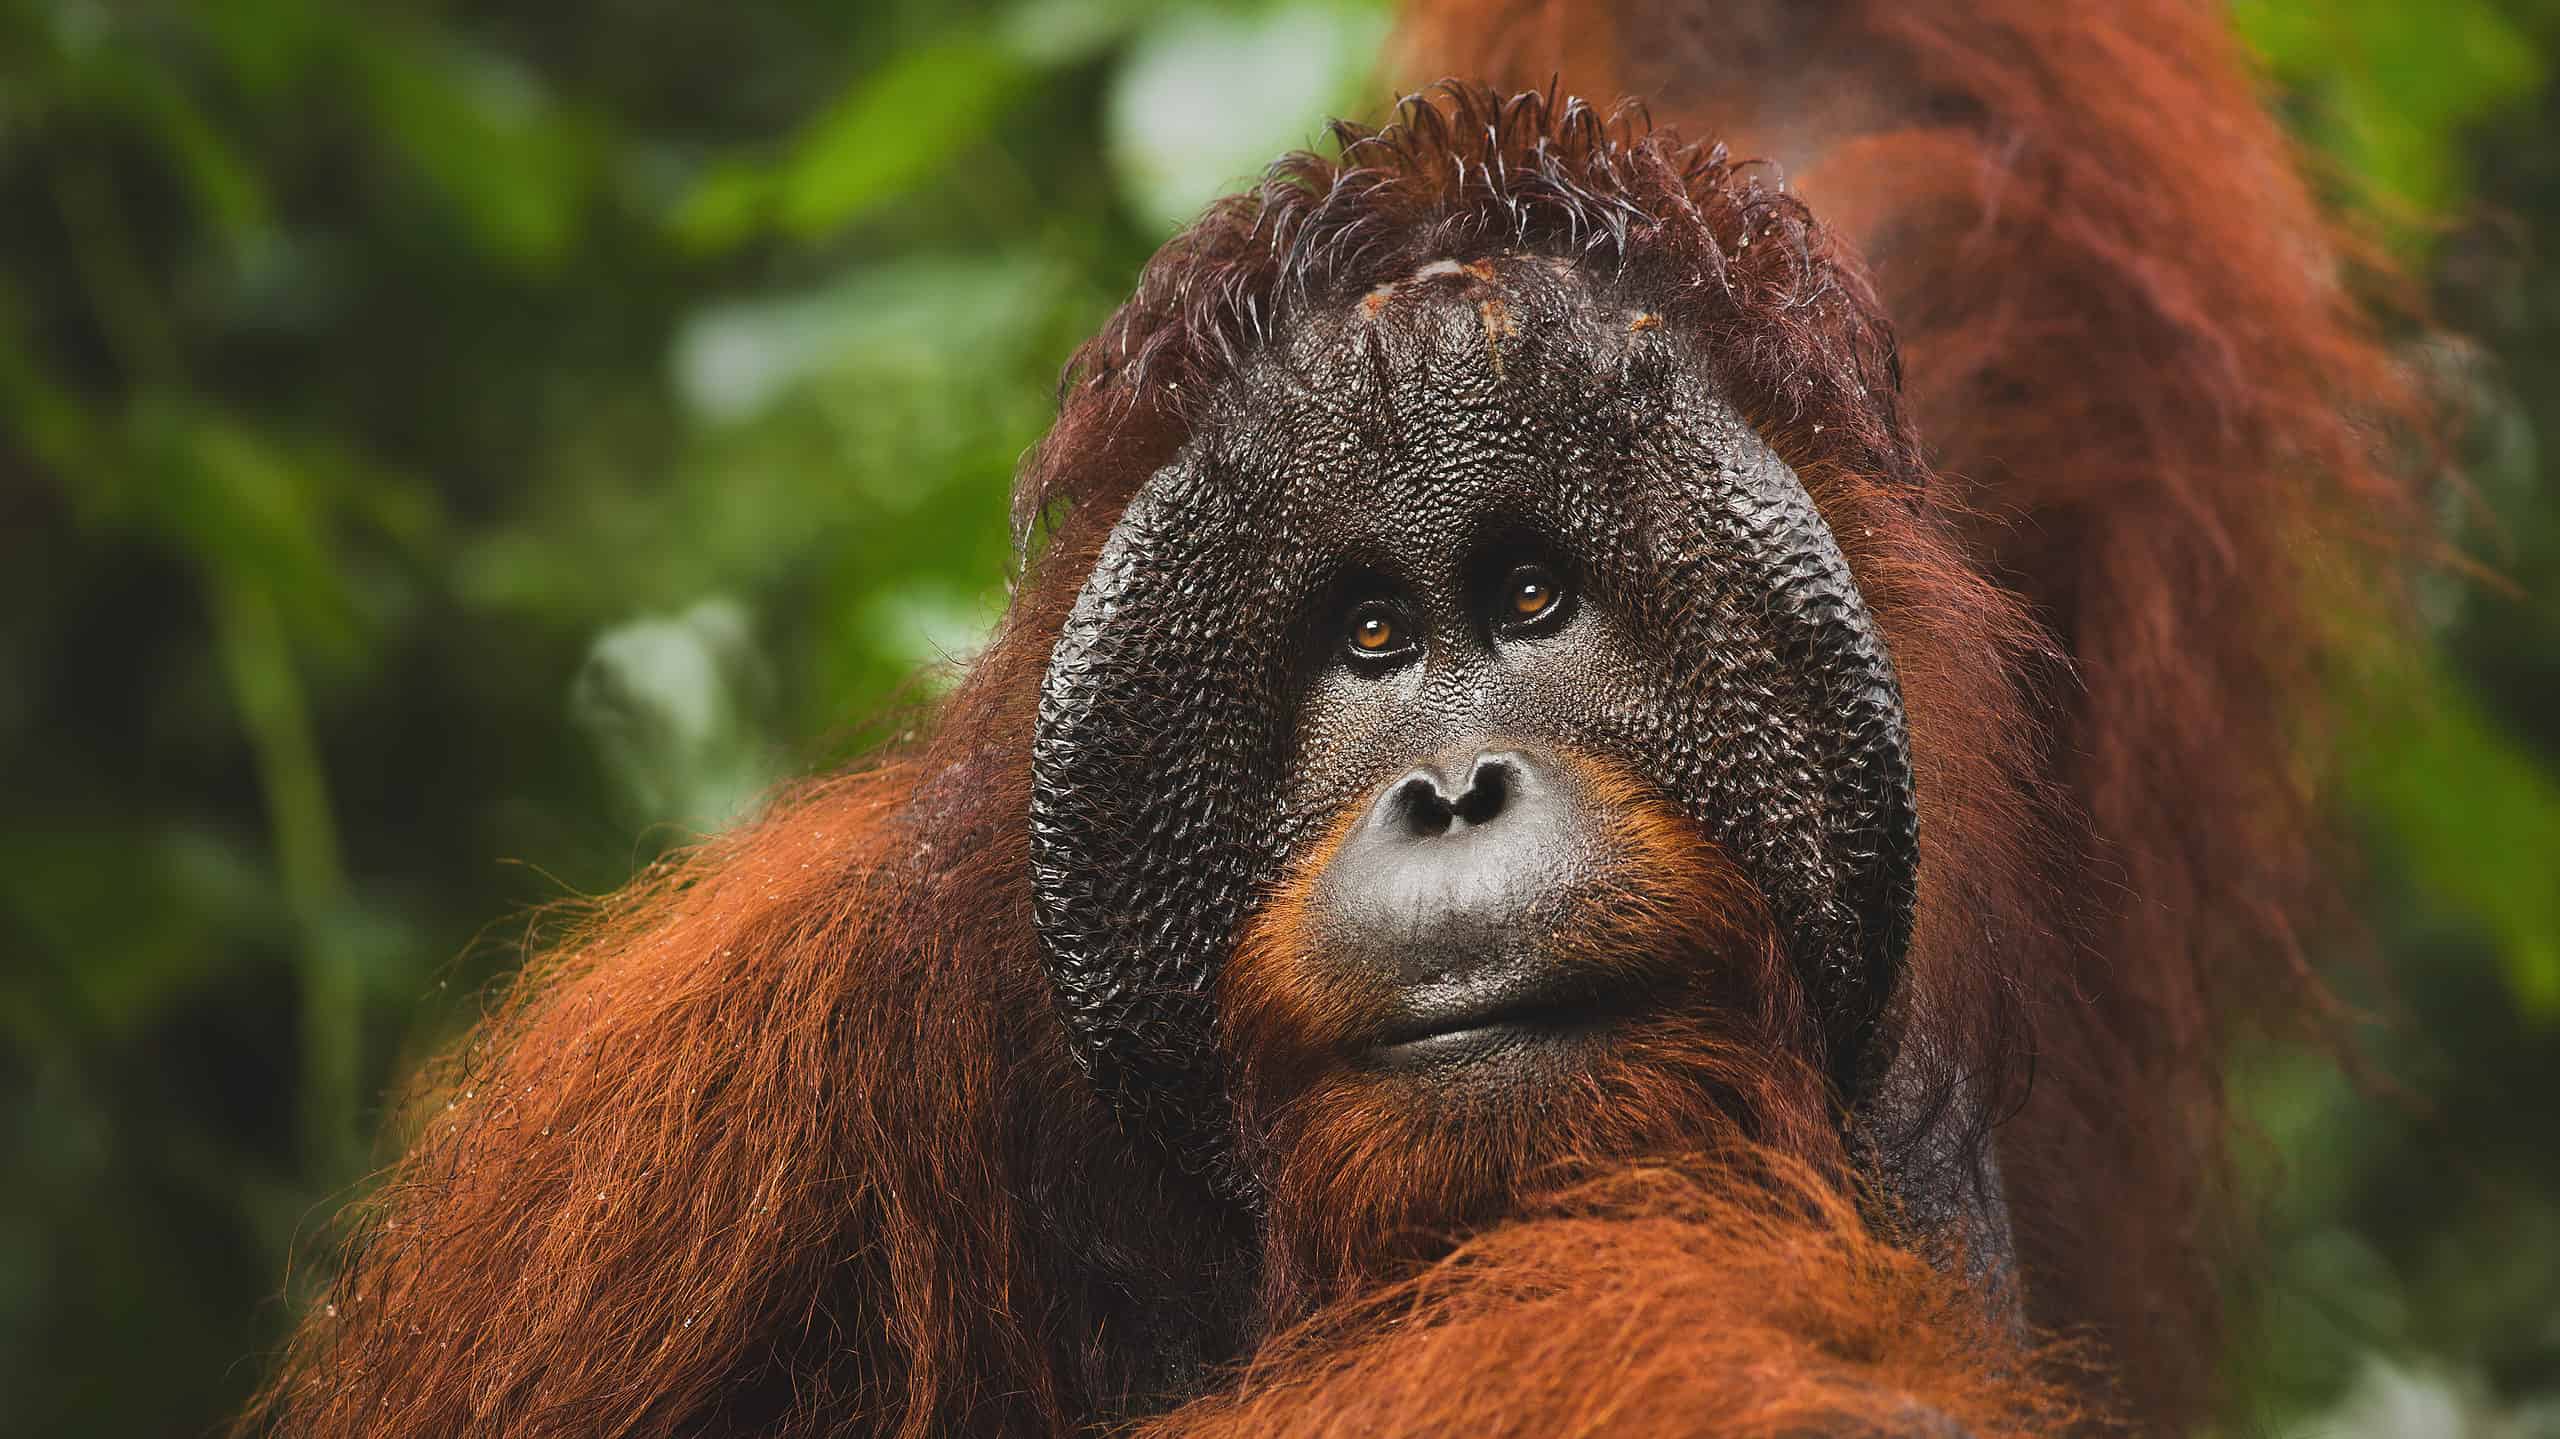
1532,592
1374,629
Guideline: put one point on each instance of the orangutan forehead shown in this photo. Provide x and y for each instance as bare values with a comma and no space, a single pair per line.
1510,354
1496,310
1489,281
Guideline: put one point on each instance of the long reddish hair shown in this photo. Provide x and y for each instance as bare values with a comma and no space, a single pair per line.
1735,1297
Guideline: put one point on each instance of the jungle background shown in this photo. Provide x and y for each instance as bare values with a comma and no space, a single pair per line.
451,451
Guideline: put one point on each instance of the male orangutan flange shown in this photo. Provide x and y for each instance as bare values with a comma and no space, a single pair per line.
1564,835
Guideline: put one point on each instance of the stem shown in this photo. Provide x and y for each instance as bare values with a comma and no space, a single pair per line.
257,658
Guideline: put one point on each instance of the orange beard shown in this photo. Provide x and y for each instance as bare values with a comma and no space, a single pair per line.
1371,1169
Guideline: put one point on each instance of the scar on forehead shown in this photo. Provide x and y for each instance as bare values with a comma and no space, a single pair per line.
1476,269
1377,299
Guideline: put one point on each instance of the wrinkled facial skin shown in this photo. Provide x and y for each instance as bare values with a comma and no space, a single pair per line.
1206,724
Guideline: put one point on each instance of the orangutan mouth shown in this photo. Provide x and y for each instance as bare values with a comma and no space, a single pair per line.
1479,1018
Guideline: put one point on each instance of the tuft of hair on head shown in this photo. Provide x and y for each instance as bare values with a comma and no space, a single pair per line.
1459,174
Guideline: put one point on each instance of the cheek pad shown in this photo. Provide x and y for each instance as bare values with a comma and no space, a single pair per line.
1780,729
1776,724
1158,734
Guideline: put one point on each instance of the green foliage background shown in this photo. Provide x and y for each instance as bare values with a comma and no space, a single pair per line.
450,451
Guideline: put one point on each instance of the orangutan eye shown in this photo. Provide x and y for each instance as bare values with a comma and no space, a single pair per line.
1531,594
1375,630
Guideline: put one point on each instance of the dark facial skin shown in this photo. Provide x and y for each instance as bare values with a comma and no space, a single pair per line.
1210,716
1469,659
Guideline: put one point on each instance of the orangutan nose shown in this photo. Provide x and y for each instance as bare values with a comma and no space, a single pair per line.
1446,878
1425,805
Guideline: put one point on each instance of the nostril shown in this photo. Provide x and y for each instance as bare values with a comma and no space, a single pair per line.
1418,807
1488,790
1424,805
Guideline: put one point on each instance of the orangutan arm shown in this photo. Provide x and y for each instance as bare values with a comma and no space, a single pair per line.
1706,1301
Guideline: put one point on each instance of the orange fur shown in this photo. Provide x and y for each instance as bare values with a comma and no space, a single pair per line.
1738,1297
780,1142
675,1129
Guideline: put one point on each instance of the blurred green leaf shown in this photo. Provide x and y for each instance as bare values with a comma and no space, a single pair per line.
896,125
677,709
269,45
250,512
122,923
452,112
1054,34
1271,77
885,134
2476,820
2393,87
732,360
2396,1401
47,419
205,158
931,628
888,133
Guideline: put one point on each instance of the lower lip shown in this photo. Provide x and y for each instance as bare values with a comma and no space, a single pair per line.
1493,1038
